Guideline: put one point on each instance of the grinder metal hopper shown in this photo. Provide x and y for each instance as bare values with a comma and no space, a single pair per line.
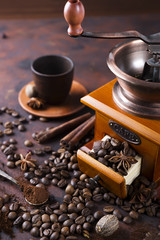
131,102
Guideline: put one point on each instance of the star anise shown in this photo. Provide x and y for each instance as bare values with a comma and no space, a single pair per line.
26,162
141,194
123,162
35,103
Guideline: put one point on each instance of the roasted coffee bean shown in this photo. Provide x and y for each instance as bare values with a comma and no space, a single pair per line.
90,218
69,189
53,218
8,150
65,231
74,182
68,223
6,198
80,220
56,227
72,208
75,200
45,218
8,131
21,128
73,228
47,149
81,184
35,212
37,224
97,197
54,236
87,226
18,221
79,229
12,215
46,225
47,232
85,212
126,208
108,209
26,216
118,214
77,173
54,181
43,238
134,214
62,183
61,237
80,206
36,218
8,125
29,175
35,232
45,181
98,214
28,143
14,207
34,181
10,157
31,117
10,164
26,225
5,209
17,156
58,212
73,216
127,220
54,205
62,217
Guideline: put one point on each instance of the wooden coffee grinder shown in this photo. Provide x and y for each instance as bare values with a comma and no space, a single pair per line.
128,107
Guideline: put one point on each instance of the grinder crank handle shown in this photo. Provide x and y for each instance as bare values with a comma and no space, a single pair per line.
74,13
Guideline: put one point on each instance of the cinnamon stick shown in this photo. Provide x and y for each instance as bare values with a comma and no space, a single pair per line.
87,126
67,126
66,139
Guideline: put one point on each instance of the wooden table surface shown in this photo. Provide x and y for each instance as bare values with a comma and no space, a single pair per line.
29,39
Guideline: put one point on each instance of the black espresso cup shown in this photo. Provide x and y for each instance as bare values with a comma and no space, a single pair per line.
53,76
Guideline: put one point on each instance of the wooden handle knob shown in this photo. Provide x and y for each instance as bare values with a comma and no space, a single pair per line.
74,14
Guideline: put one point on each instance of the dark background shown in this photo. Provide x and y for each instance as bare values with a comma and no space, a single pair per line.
54,8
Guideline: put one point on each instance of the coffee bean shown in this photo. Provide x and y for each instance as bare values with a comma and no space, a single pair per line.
73,228
26,216
63,207
90,204
8,131
58,212
117,213
62,183
90,218
5,209
14,207
98,214
54,181
79,229
28,143
134,214
54,236
53,218
72,208
80,220
73,216
47,232
34,181
45,181
87,226
36,218
45,218
61,237
65,231
21,128
69,189
97,197
85,212
108,209
31,117
127,220
68,223
34,232
62,217
29,175
10,164
56,227
8,124
18,221
54,205
26,225
12,215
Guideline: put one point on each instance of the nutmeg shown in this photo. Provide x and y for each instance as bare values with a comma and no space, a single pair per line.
107,225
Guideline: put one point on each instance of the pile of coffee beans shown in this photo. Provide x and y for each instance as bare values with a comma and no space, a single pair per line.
111,152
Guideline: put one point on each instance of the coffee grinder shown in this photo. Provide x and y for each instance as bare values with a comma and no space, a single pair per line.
126,108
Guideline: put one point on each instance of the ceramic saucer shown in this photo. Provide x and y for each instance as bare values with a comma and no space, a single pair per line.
71,105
